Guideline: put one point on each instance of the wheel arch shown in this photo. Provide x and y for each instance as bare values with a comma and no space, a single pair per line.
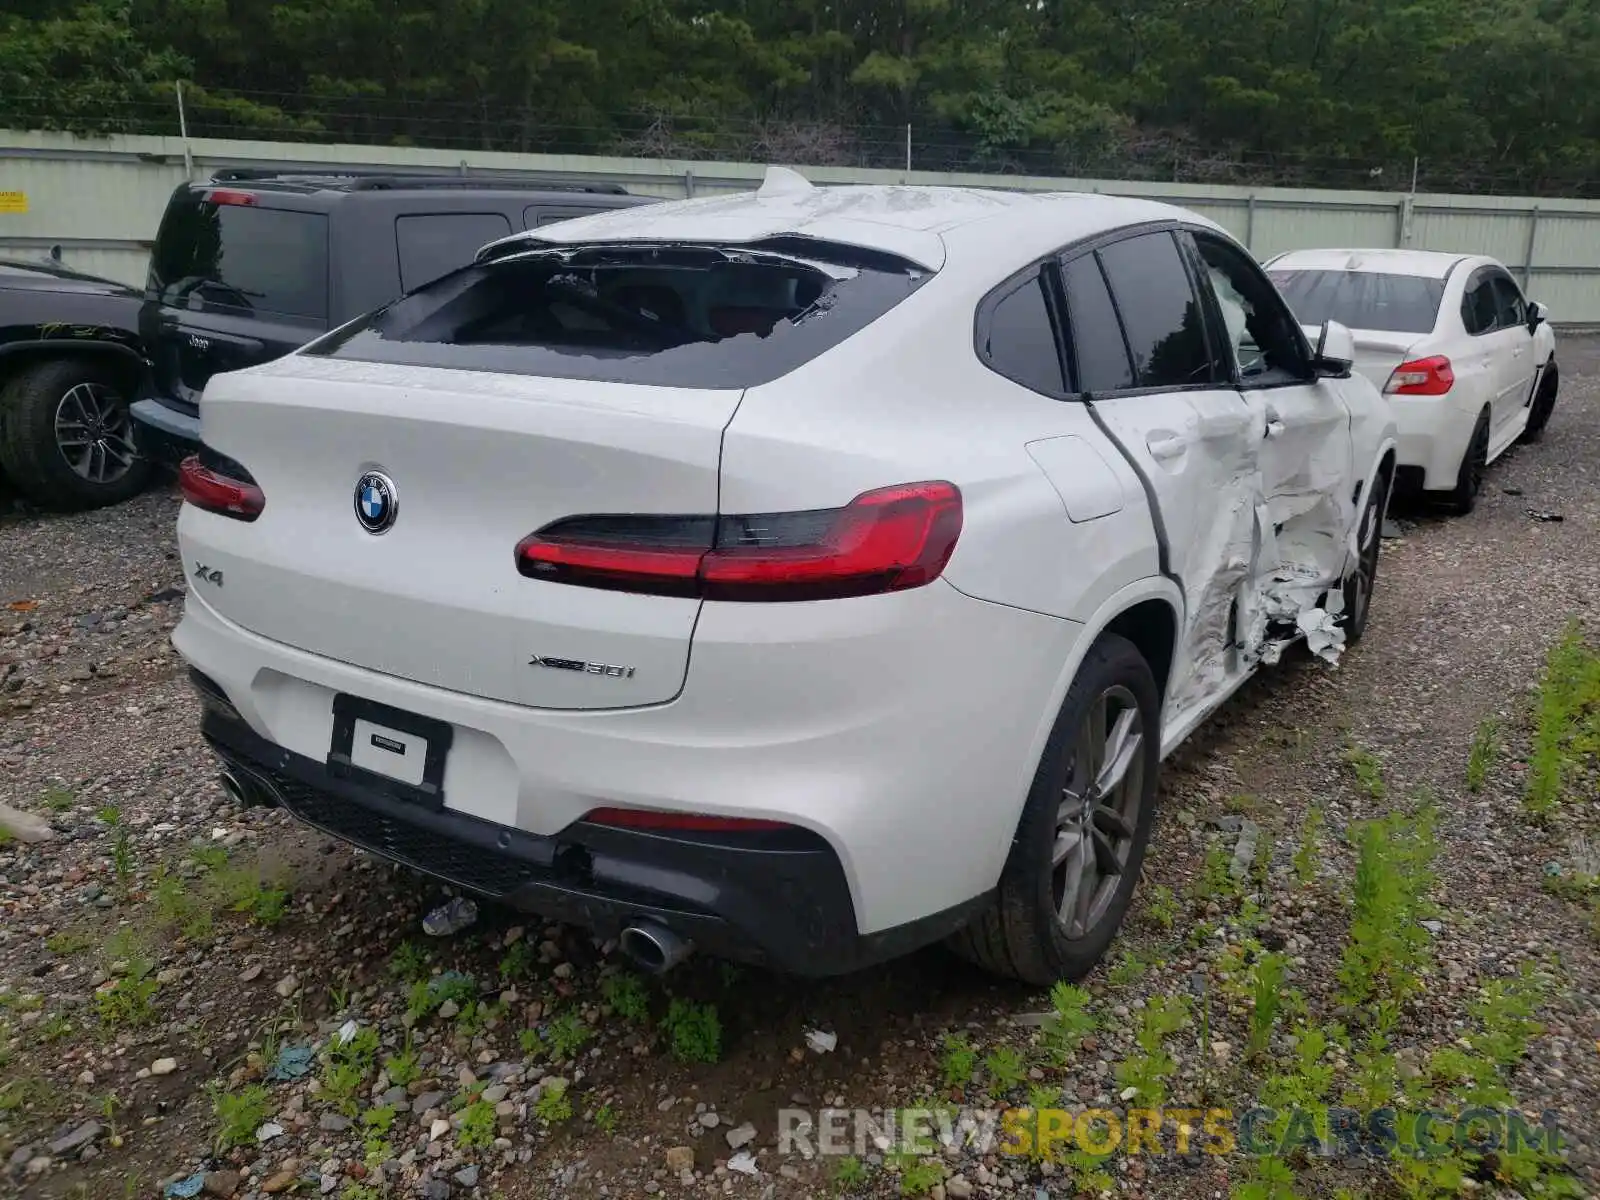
1148,613
16,357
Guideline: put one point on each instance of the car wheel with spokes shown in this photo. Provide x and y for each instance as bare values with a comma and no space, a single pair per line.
1544,402
66,435
1081,841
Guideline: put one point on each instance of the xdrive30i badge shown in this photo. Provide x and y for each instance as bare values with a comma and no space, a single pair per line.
609,670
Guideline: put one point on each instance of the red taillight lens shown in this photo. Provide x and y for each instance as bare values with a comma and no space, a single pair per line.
217,484
886,540
640,818
226,196
1422,377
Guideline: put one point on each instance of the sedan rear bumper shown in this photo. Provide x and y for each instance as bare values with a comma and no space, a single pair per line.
776,899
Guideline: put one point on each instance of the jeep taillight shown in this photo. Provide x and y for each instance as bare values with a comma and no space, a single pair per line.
220,485
885,540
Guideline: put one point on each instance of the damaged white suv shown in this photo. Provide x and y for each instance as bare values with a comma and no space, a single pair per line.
805,575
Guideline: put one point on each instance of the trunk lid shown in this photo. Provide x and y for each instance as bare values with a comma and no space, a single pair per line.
477,461
1378,352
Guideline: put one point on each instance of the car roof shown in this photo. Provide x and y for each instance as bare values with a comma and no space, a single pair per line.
925,224
1431,264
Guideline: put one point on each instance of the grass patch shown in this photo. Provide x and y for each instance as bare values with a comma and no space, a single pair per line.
1387,948
1566,729
693,1031
57,799
1368,771
67,943
1485,745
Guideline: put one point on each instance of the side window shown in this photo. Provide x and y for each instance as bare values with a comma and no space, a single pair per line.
1478,306
1263,342
1160,313
1511,311
1099,355
1019,339
535,215
438,243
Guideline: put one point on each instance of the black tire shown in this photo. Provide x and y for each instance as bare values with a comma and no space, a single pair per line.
1359,584
1022,935
64,406
1463,498
1544,402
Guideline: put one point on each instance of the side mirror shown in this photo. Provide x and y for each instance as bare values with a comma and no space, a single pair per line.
1538,314
1335,351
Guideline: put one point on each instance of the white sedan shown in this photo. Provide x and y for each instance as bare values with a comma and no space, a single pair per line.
1468,362
806,575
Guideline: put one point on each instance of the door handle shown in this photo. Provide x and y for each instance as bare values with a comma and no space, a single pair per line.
1164,446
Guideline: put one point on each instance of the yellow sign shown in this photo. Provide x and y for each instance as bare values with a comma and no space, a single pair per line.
13,202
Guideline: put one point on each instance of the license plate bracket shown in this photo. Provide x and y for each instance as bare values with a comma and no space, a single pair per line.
379,725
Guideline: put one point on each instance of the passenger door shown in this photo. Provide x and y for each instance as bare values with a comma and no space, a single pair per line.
1307,474
1140,355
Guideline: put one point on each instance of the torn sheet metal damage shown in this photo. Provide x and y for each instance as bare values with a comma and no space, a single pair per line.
1267,570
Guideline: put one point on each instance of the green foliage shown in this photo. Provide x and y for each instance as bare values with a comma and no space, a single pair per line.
1485,743
409,962
1368,771
238,1115
1566,731
605,1119
553,1105
517,963
1298,91
403,1068
1148,1071
130,1000
478,1126
1268,993
1005,1067
628,997
1305,854
693,1031
959,1061
68,942
1161,907
918,1177
564,1036
849,1172
428,995
1387,947
1069,1023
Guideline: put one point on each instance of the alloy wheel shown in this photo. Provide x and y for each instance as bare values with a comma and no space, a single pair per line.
94,433
1098,811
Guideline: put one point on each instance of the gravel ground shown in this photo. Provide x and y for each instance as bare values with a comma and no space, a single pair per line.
251,935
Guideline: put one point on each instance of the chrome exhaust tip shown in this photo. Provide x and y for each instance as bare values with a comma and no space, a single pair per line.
234,787
654,948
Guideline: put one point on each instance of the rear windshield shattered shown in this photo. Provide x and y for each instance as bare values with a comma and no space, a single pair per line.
675,316
1362,299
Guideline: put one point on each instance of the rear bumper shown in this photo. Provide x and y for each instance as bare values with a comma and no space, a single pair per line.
1433,436
779,900
165,432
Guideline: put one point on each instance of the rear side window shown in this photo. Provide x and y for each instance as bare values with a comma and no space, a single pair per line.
1362,299
681,316
1020,340
1159,310
435,244
536,215
1099,355
242,257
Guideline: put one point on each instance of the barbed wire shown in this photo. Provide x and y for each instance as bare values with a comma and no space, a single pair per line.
452,124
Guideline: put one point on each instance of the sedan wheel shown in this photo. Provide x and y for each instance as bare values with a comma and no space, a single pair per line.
1474,464
66,437
1363,578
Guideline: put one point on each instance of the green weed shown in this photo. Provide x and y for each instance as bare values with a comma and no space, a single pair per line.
1069,1023
1387,948
478,1126
1161,907
628,997
1005,1067
849,1173
1148,1071
238,1115
57,800
409,962
553,1105
958,1062
1485,744
605,1119
693,1031
67,943
1368,771
1267,988
1566,731
403,1068
1305,854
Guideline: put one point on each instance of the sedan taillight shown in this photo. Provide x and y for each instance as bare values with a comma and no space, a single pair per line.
885,540
1422,377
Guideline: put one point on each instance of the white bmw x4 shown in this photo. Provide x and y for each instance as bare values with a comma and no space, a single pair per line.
805,575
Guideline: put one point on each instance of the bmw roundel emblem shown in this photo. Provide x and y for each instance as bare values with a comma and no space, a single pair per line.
377,503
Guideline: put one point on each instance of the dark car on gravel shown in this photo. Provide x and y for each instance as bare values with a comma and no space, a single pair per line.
71,363
254,264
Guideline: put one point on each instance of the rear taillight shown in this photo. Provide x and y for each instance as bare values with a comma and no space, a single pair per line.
886,540
640,818
1422,377
227,196
217,484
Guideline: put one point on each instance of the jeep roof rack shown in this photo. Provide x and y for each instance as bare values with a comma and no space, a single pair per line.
356,179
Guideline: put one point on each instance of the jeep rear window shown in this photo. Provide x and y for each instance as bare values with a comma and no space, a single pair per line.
698,316
241,257
1362,299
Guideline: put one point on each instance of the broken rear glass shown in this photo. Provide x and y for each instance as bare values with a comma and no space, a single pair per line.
676,316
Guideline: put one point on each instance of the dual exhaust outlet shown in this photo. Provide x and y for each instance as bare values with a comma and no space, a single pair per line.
652,947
